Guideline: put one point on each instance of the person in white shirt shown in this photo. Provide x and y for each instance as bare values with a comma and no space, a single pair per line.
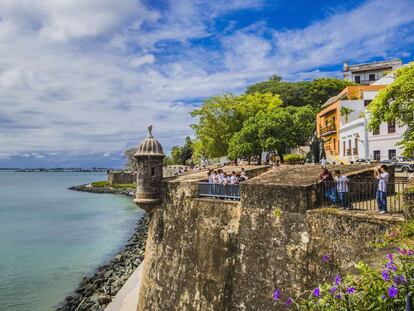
323,161
342,187
220,176
382,176
233,179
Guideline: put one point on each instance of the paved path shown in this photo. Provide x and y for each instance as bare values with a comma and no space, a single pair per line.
127,297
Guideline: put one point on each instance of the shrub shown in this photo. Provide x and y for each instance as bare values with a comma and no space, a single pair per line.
102,183
294,159
372,289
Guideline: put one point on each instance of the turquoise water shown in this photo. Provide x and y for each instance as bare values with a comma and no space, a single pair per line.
50,237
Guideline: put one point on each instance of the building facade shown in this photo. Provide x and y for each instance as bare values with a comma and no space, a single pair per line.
368,73
329,120
355,140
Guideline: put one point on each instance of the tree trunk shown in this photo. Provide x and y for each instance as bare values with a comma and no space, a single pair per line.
280,153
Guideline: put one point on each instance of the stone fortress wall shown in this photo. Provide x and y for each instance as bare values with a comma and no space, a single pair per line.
209,254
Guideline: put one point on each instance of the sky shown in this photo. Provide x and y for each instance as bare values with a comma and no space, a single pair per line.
80,80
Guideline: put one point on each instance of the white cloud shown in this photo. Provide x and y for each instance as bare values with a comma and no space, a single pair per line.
138,61
87,77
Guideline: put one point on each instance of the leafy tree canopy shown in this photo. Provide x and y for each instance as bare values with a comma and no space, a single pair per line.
245,143
396,103
220,117
314,93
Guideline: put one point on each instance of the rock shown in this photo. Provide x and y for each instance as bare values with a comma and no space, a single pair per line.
104,299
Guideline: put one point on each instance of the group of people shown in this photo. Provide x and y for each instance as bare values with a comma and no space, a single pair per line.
222,178
336,187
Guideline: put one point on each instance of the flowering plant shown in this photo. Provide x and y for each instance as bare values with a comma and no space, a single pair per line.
382,289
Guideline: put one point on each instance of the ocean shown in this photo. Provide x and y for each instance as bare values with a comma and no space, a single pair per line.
50,237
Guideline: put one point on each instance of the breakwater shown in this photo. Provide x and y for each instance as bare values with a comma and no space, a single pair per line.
88,188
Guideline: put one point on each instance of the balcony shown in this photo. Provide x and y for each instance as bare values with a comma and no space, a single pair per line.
327,130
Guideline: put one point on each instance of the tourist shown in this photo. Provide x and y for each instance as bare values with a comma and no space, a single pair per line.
226,179
233,179
323,161
243,175
382,176
328,185
220,176
342,187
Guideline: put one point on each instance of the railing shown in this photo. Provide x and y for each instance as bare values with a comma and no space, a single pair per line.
328,129
355,151
228,191
361,195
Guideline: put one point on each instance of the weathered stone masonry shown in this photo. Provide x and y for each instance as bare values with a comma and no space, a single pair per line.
206,254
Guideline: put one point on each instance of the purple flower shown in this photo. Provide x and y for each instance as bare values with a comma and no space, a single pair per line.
350,290
389,257
338,296
289,301
333,289
338,279
399,279
392,291
391,266
385,275
316,292
276,294
383,297
325,258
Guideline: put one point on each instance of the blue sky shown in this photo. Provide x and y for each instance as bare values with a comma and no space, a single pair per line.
81,80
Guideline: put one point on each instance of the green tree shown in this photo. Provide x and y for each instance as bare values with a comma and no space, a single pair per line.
304,93
285,128
245,143
345,112
291,93
395,103
219,118
199,153
130,161
175,155
186,151
320,90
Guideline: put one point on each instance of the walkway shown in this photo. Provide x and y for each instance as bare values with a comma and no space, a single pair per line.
127,297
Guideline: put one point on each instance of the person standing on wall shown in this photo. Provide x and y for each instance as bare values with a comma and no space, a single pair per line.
382,176
342,186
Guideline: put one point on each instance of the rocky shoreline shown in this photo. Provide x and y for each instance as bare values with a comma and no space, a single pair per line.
94,293
88,188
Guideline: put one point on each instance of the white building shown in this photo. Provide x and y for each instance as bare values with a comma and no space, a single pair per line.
370,72
359,143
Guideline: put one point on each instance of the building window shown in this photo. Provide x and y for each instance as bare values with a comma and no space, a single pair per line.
334,143
376,131
377,155
349,147
367,102
372,77
356,146
391,127
357,79
344,148
392,153
152,171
